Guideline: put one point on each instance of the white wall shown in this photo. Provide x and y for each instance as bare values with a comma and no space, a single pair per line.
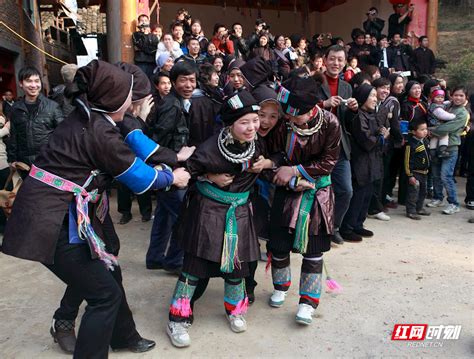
339,20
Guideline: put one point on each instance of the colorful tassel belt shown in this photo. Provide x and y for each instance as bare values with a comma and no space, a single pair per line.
230,257
304,212
84,226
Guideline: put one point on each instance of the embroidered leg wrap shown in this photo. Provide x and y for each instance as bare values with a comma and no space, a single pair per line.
310,281
235,300
180,308
281,273
64,325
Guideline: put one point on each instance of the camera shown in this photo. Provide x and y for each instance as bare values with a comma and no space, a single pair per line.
187,17
265,27
143,26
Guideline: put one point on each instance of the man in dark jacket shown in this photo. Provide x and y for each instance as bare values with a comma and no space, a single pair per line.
398,21
145,44
193,55
171,129
423,58
32,119
399,54
241,49
337,96
373,25
7,102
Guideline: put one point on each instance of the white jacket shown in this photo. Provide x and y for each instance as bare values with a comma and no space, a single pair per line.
175,52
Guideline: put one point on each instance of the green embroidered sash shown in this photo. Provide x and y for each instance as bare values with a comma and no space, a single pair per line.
304,212
230,256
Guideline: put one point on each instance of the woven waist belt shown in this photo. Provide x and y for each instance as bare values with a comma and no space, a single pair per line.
302,223
230,257
84,226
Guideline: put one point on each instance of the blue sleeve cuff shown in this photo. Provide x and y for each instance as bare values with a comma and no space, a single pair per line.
139,177
142,145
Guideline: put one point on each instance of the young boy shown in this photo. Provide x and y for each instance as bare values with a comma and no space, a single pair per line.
417,162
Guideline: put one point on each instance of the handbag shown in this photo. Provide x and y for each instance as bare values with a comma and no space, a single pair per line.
7,197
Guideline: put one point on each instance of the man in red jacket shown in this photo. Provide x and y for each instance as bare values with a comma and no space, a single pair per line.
221,39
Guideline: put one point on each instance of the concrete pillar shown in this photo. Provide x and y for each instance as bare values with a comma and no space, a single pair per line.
128,25
114,48
432,24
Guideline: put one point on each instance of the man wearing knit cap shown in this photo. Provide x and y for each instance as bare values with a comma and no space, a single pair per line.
310,138
367,142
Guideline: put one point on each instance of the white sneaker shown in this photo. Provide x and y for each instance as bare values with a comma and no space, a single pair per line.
434,203
451,209
389,199
237,323
305,314
277,299
470,204
178,333
381,216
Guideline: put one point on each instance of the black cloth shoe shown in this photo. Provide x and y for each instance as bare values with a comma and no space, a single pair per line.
154,266
337,238
423,212
146,218
251,296
127,217
65,339
414,216
143,345
363,232
140,346
351,237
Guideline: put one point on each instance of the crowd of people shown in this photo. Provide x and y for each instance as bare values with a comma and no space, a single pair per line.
240,139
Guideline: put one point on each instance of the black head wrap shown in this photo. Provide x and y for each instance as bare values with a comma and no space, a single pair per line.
264,93
231,63
141,83
298,95
104,86
257,71
238,105
361,93
409,85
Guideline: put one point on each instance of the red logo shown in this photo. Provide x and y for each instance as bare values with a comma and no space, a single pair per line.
409,331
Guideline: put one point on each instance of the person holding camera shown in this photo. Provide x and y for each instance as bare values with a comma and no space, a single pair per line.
373,25
397,22
240,44
183,17
221,40
261,27
316,46
145,44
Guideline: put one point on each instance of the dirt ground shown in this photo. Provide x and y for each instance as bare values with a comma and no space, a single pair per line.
410,272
